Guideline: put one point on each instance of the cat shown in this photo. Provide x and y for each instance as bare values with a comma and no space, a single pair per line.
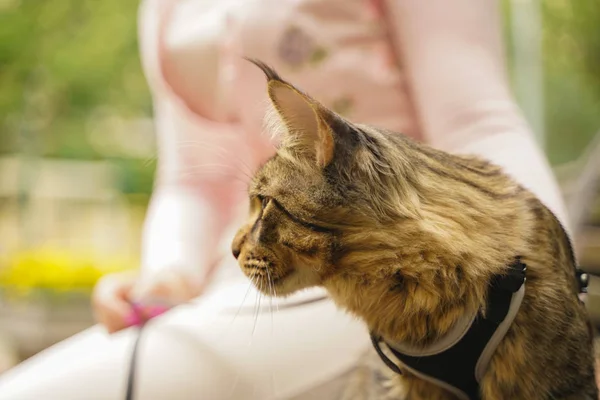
408,239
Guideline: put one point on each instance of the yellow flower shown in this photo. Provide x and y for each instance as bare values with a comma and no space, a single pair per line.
57,270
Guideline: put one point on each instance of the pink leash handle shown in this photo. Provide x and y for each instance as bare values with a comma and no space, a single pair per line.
141,313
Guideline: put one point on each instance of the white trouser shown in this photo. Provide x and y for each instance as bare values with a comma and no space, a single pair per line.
204,350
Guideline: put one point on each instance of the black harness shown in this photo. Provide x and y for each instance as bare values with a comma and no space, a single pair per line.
458,368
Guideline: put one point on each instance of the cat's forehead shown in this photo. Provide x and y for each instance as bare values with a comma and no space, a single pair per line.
280,176
271,174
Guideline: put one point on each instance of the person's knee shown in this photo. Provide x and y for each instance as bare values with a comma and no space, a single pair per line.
174,363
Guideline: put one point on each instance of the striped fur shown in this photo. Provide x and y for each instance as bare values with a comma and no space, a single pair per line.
407,237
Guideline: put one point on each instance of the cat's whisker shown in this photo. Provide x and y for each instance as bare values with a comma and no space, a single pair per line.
203,172
259,292
221,151
271,294
217,168
249,171
206,143
253,280
242,303
276,303
200,173
215,165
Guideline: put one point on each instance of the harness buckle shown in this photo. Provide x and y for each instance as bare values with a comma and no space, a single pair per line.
583,280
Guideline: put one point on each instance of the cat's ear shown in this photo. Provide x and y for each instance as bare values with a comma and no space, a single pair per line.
306,128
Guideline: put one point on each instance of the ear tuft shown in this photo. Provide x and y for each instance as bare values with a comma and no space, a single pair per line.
306,130
268,71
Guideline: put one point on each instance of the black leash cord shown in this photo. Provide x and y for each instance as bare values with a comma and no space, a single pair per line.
136,344
133,366
376,340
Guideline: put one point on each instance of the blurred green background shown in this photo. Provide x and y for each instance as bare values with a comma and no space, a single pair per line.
77,150
68,65
68,70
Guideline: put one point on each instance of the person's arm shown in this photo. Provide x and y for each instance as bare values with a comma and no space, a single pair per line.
195,195
192,205
200,167
196,192
453,55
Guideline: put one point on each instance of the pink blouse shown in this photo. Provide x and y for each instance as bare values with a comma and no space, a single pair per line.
431,69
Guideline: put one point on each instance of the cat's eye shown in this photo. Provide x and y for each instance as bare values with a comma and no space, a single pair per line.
261,202
264,201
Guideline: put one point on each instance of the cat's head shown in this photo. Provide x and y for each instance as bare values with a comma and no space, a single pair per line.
329,179
397,232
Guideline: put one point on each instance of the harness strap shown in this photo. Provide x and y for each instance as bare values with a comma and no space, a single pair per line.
460,367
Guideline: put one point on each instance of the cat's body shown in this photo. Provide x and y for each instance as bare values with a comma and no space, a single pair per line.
407,238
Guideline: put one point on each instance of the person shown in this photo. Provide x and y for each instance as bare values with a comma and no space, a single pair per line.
432,70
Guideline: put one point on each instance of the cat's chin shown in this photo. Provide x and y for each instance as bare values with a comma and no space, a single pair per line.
281,286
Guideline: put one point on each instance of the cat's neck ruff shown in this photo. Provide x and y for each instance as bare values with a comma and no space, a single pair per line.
459,329
458,360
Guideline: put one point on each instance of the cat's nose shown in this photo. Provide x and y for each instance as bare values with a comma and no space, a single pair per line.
235,250
237,243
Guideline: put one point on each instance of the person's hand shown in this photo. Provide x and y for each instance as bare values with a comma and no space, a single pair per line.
110,300
115,295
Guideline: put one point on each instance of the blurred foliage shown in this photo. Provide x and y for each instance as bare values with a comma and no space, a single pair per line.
61,60
572,75
52,270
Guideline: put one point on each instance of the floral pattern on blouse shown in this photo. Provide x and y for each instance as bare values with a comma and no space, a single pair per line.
296,48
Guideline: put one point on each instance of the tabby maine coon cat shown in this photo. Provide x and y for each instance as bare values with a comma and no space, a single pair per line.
407,238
